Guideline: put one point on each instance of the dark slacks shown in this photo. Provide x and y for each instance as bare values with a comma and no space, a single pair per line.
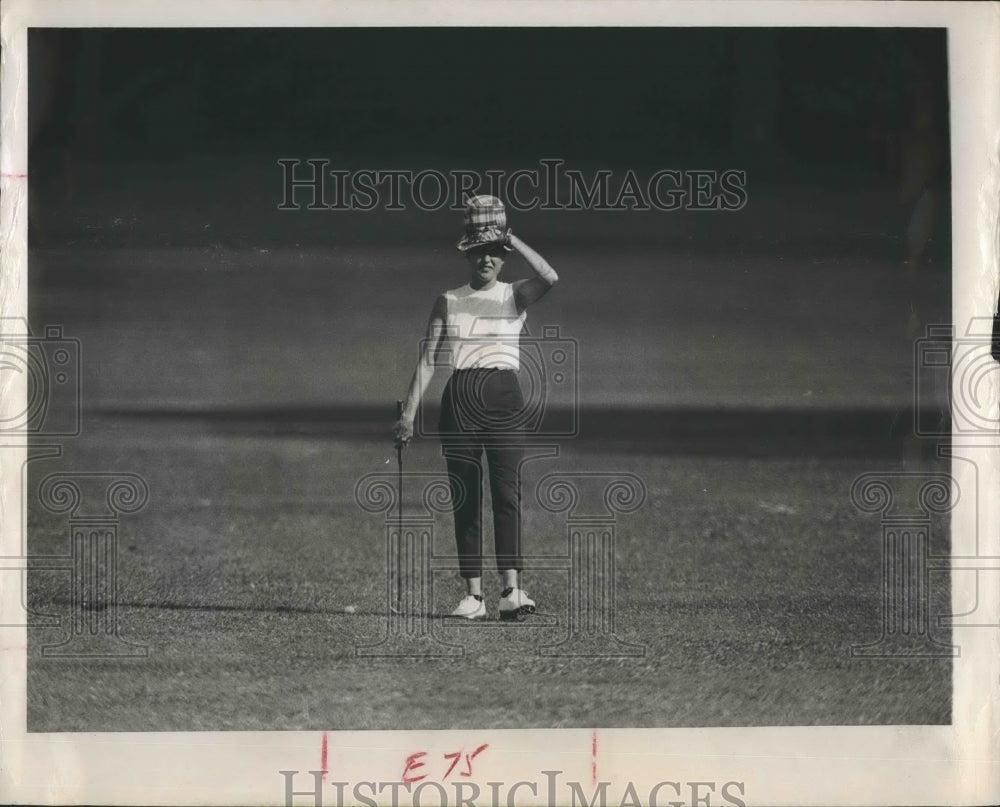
480,412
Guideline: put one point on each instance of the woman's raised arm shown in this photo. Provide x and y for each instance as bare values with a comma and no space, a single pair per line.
534,288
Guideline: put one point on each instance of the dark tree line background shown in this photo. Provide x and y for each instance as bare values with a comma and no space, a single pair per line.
823,97
145,136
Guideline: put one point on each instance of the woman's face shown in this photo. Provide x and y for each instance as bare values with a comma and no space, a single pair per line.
486,261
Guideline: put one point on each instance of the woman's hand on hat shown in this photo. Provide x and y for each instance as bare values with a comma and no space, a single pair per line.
507,236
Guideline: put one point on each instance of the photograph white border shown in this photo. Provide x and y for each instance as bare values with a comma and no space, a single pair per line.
955,764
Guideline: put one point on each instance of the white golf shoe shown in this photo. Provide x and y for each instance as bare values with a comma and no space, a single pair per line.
515,605
470,608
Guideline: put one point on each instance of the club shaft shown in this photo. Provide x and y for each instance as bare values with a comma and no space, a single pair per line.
399,515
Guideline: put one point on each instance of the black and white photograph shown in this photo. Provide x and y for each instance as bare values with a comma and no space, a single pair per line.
466,375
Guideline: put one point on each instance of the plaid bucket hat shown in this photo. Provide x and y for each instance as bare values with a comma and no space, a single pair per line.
485,223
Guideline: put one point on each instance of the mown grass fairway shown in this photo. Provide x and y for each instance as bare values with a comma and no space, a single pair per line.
747,581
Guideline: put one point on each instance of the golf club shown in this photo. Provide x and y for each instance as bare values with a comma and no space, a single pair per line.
398,605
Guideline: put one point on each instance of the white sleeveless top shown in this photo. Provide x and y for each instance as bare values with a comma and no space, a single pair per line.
483,327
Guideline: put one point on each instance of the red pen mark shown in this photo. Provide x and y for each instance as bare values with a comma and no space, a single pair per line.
593,757
472,756
412,765
455,757
468,761
15,176
322,756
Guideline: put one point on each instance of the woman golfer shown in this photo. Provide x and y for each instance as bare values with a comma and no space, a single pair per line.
477,328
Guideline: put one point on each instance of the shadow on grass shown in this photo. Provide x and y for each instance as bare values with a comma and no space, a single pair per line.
859,432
